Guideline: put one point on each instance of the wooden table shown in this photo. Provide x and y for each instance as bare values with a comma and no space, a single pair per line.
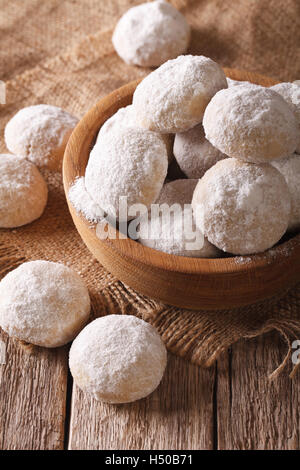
230,406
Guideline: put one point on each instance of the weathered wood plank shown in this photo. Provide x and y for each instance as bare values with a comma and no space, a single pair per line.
33,383
254,413
178,415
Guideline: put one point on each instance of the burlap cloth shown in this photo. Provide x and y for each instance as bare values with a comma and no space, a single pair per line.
60,52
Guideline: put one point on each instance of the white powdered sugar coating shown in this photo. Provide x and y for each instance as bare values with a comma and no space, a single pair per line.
242,259
290,169
125,118
150,34
176,235
118,359
242,208
194,153
173,98
23,192
231,82
291,93
83,203
122,119
40,134
43,303
132,163
251,123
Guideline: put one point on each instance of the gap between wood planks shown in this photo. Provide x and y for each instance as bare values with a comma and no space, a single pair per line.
70,384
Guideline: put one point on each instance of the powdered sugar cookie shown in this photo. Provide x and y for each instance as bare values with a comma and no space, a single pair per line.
125,118
118,359
23,192
43,303
151,33
130,163
40,133
290,169
174,231
251,123
291,93
173,98
194,153
242,208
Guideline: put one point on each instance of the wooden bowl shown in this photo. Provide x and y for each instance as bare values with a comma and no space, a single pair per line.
191,283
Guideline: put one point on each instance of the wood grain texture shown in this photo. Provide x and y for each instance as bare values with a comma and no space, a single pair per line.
33,384
178,415
254,412
176,280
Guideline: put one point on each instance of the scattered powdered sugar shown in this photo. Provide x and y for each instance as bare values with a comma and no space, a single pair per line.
118,359
150,34
251,123
173,97
238,207
194,153
283,250
37,133
83,203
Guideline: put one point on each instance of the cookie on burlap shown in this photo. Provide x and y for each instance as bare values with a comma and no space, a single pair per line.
23,192
150,34
40,134
43,303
